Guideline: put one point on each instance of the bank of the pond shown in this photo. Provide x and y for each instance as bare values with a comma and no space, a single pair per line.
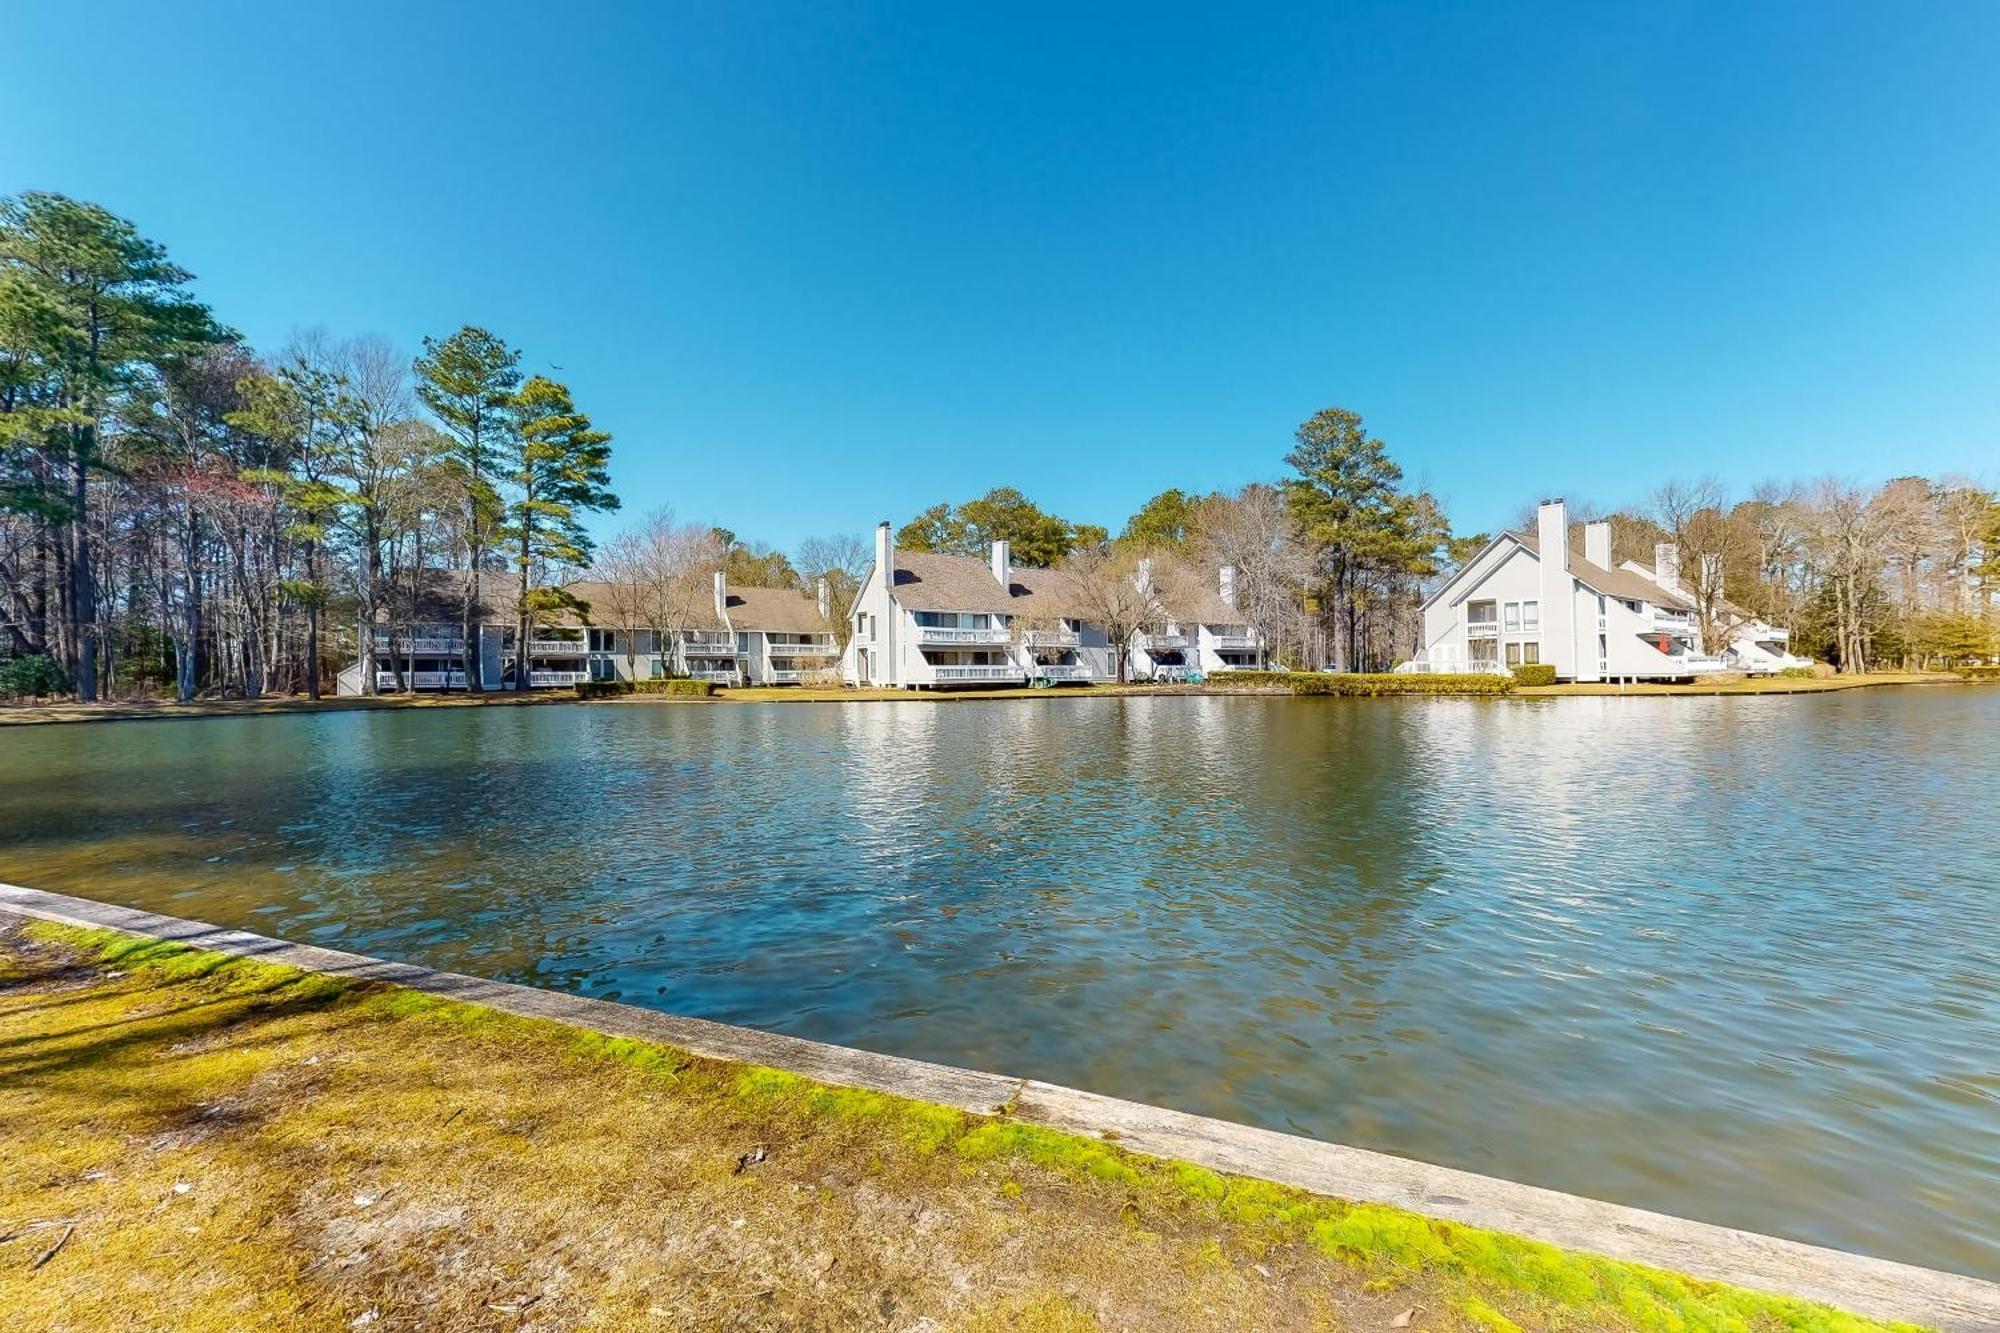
23,714
214,1138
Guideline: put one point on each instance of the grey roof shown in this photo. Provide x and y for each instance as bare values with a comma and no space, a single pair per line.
1047,592
1611,582
927,581
783,610
597,596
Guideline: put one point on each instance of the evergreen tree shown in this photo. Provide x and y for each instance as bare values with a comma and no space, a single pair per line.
468,382
559,469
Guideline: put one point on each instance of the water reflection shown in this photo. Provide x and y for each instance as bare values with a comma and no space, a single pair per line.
1589,943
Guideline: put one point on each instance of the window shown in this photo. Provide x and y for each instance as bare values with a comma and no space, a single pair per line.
1513,652
1480,613
1513,620
1531,652
1531,616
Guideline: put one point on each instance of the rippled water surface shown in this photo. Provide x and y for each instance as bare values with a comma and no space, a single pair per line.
1731,958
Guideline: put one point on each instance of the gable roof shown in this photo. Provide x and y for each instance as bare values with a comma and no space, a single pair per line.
927,581
595,593
1611,582
1046,592
776,610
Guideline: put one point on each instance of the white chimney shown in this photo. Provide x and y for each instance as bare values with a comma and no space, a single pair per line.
1003,564
1667,565
722,597
1227,579
884,554
1597,543
825,599
1558,592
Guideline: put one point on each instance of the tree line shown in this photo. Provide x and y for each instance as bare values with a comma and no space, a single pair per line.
176,508
179,512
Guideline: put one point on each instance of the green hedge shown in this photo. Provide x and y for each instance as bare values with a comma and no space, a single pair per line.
34,675
1360,683
611,689
1274,677
1535,673
1979,672
1797,673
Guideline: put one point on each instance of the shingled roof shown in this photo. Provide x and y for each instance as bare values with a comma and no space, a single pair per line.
1611,582
927,581
776,610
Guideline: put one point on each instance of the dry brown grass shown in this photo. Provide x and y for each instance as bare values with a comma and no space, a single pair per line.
229,1145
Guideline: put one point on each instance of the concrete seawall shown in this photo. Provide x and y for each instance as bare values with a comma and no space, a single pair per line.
1858,1283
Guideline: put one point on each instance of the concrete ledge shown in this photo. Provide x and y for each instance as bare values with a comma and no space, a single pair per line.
1857,1283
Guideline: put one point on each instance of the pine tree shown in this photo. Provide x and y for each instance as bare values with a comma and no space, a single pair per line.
559,469
468,382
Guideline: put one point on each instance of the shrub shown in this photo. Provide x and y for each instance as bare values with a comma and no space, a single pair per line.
611,689
1360,683
674,685
1275,677
1798,673
36,675
1535,673
1979,672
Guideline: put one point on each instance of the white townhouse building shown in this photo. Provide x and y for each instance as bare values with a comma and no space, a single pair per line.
1513,605
925,620
1528,598
745,636
1755,645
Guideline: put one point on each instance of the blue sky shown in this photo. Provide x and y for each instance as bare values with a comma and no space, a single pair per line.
820,265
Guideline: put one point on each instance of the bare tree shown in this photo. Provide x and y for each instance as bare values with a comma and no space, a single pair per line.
843,561
1256,533
677,563
621,572
1107,584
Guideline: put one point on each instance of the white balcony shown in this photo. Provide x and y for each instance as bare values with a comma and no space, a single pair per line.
1248,643
551,679
1160,643
946,675
1058,671
717,645
1482,629
720,675
420,680
942,634
420,647
556,648
1051,638
778,676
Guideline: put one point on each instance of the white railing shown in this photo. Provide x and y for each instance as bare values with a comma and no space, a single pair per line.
1235,642
1051,638
422,647
947,673
1060,671
818,645
1482,629
941,634
546,679
709,643
556,647
783,677
724,676
420,680
1154,643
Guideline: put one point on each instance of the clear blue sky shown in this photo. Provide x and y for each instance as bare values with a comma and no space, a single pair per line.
817,265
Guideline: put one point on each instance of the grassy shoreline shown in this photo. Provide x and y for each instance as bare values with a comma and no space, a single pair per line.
221,1143
155,710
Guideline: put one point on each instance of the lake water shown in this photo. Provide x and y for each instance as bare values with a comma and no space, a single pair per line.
1737,959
